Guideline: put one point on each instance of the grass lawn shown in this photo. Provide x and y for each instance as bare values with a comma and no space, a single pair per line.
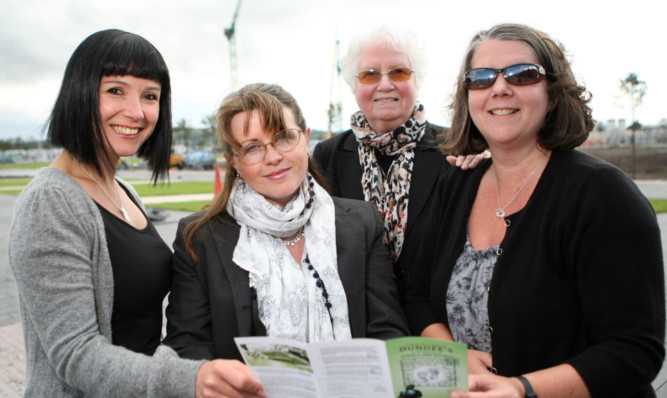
14,182
24,165
174,188
192,207
660,205
187,187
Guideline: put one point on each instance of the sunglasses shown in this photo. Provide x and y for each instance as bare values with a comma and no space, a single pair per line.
518,75
395,75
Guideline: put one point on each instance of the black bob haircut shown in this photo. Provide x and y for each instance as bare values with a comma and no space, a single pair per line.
75,123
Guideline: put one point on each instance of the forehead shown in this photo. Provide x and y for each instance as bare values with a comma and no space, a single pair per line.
494,53
376,55
130,80
255,127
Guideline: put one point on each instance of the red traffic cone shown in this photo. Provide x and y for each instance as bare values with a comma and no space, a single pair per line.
217,186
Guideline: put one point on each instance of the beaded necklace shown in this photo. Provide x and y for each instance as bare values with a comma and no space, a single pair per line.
320,283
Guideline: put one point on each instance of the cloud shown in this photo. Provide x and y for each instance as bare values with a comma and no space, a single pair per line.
291,42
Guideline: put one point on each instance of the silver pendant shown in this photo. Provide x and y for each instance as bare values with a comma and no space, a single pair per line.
500,213
125,215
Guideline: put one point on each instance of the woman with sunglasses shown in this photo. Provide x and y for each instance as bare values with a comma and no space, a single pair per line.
276,255
546,261
390,155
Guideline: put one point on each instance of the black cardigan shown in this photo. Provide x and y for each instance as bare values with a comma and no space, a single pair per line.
338,158
580,279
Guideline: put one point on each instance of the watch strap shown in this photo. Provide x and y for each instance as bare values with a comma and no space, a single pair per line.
530,393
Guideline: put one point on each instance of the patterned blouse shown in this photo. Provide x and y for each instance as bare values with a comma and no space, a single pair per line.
468,294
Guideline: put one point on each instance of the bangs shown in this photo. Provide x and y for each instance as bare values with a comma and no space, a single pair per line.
270,109
135,58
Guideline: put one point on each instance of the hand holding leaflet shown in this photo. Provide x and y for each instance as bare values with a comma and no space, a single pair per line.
357,367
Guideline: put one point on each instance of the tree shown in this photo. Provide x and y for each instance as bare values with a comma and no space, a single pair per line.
209,130
184,131
634,89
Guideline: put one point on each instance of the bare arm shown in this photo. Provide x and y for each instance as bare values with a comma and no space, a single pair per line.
437,331
479,362
559,381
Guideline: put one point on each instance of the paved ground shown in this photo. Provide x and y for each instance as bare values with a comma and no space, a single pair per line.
12,367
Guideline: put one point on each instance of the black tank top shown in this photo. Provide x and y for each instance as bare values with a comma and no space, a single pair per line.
141,263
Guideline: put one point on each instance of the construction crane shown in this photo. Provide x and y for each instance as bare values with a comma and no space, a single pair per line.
335,104
230,34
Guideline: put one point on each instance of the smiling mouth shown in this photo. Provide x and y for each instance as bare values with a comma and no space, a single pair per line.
125,130
385,99
503,112
277,173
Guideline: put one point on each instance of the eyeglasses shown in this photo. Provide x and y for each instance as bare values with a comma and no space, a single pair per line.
395,75
283,141
518,75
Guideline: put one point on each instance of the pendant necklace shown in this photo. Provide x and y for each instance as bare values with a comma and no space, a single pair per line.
500,212
126,215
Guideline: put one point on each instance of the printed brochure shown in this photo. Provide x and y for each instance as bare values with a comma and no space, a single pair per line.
408,367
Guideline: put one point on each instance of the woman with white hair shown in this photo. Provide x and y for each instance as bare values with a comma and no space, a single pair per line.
389,156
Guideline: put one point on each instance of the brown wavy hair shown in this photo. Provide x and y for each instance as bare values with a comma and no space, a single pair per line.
565,127
269,100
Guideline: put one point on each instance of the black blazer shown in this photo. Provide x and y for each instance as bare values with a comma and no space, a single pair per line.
211,302
338,159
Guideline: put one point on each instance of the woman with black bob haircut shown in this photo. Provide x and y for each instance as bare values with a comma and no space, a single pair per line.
108,53
91,270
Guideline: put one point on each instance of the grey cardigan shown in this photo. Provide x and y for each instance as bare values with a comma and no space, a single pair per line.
58,254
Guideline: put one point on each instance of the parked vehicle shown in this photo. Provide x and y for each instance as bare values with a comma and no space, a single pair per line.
199,160
176,160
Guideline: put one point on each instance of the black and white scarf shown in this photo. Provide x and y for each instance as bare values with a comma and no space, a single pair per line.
289,302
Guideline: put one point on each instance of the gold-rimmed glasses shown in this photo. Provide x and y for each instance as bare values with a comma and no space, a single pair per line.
283,141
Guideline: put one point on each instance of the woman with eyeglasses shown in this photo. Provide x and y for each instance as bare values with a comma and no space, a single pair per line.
546,261
390,155
276,255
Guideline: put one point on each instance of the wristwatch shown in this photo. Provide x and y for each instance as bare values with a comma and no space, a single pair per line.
530,393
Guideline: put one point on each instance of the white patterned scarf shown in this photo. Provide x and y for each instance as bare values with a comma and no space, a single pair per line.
290,303
391,194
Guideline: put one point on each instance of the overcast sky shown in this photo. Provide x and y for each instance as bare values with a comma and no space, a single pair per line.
292,43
